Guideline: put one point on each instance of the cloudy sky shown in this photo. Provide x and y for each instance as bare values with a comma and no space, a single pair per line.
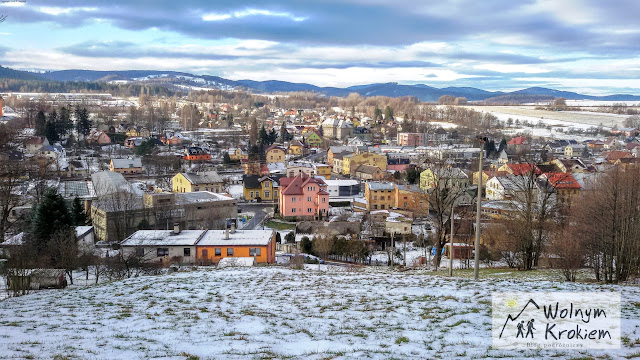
590,46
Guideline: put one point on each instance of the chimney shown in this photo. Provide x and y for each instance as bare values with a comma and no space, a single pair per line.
176,229
226,234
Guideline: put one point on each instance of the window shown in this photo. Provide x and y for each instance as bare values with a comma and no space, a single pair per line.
309,210
308,198
375,206
139,251
218,251
163,251
187,251
266,194
375,198
388,197
254,251
382,206
324,200
405,204
293,211
293,199
275,193
251,194
229,251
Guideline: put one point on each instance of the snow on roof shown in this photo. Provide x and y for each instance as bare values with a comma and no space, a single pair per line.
199,196
83,230
238,238
340,182
163,238
126,163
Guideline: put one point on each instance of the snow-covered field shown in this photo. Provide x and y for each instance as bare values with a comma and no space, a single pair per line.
275,312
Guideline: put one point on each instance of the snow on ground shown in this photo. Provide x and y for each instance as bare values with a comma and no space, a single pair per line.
235,191
275,312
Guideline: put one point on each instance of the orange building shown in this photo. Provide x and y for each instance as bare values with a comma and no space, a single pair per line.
196,154
216,245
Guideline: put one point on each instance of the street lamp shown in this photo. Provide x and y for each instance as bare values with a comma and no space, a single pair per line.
476,267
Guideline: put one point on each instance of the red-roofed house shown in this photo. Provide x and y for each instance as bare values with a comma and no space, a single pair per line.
615,155
565,185
303,197
519,169
519,144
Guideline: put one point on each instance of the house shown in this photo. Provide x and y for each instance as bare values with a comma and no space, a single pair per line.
519,169
295,168
335,150
503,187
351,162
85,238
38,279
201,181
411,139
77,168
303,197
569,165
126,166
628,132
444,177
565,185
574,150
34,144
133,142
615,155
338,129
379,195
176,246
99,138
338,163
628,162
216,245
262,188
323,170
369,173
237,154
342,188
275,154
411,198
194,153
296,148
519,144
118,215
313,138
398,224
486,175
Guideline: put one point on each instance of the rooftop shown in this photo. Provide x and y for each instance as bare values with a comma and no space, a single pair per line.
238,238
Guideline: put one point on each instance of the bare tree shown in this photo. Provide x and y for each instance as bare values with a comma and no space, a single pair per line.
11,173
63,249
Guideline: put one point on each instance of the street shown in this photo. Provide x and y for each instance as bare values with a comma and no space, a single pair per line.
260,210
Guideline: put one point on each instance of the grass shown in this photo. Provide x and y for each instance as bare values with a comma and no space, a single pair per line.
277,225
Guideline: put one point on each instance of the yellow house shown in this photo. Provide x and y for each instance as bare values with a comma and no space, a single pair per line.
133,132
296,148
350,163
205,181
275,154
446,177
236,154
323,170
379,195
264,188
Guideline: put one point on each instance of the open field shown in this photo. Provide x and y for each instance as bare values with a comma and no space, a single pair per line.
554,118
275,312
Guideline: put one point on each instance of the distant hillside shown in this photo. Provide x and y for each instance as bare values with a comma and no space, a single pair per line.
6,73
180,82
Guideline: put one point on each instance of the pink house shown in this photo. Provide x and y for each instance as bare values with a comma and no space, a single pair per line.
410,139
303,197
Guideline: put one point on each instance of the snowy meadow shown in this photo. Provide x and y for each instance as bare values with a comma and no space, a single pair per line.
276,312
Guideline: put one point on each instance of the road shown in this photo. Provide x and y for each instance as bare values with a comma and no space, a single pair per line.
260,211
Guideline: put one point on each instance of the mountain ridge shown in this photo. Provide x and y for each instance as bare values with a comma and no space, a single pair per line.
182,80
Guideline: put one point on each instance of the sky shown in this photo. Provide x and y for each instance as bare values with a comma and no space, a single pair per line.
588,46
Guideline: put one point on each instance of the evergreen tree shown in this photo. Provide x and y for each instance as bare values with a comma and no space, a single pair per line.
388,113
226,159
50,216
284,133
83,124
273,136
145,148
253,131
503,145
64,122
52,128
263,137
377,113
41,124
77,213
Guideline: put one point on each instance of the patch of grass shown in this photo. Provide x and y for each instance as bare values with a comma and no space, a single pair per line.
277,225
402,339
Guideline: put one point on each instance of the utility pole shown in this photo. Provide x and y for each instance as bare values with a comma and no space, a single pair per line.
451,242
476,267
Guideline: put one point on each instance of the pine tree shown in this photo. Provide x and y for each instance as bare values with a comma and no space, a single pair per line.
77,213
83,124
50,216
51,128
263,137
41,124
503,145
253,131
284,134
388,113
64,123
